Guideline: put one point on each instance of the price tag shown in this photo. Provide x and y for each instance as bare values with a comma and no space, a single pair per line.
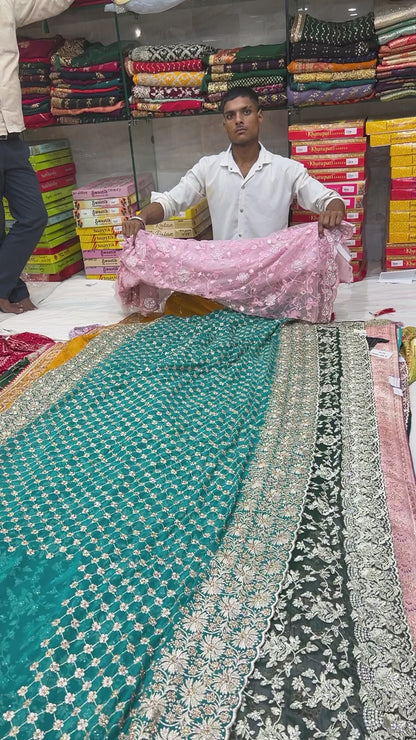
351,131
395,382
301,149
384,354
352,175
352,160
397,263
397,391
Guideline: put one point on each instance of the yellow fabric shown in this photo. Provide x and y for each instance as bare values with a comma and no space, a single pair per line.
359,74
169,79
71,348
300,66
408,350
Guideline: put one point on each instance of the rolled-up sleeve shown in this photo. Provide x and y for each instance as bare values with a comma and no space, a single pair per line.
309,192
189,191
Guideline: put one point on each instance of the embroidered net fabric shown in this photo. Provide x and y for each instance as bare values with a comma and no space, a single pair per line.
292,273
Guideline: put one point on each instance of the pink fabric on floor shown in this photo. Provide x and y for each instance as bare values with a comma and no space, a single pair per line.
290,274
396,463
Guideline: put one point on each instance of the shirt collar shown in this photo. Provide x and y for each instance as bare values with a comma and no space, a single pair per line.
227,159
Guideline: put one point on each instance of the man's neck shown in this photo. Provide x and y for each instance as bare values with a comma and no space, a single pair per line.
245,156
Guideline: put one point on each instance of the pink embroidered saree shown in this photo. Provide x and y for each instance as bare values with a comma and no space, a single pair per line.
292,273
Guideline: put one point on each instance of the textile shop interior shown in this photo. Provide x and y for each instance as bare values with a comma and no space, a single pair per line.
208,525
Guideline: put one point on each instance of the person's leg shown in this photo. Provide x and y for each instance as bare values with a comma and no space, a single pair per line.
22,190
5,305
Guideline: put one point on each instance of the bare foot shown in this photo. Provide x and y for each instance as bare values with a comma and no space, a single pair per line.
27,304
7,307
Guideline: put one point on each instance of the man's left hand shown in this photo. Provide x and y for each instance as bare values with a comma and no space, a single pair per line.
332,216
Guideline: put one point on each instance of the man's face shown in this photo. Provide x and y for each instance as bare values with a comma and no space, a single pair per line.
242,120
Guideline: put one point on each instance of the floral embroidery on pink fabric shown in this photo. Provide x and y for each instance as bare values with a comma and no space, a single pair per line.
292,273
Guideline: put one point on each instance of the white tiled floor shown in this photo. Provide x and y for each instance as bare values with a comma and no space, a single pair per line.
80,302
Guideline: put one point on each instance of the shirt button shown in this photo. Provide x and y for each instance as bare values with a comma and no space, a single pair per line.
239,236
241,210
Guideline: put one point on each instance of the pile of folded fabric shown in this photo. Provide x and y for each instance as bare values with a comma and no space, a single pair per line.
331,62
396,30
86,83
261,67
34,68
167,79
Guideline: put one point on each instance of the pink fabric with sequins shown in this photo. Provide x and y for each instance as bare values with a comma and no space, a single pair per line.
290,274
396,462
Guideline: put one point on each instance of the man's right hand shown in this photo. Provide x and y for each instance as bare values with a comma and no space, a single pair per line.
132,227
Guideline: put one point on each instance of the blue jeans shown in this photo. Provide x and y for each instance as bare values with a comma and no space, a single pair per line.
20,185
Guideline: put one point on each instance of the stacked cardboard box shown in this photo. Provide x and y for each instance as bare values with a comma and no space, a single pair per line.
99,210
400,135
334,153
58,254
194,223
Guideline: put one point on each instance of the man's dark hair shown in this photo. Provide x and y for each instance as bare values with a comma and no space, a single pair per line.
240,92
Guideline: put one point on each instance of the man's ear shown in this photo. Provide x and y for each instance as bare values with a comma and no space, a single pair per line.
260,114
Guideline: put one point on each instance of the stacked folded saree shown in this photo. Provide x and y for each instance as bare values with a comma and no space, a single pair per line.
86,83
34,69
261,67
194,501
396,71
166,79
331,62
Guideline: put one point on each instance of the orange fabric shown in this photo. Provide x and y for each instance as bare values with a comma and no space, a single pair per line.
300,66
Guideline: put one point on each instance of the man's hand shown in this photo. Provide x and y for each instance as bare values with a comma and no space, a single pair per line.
132,227
332,216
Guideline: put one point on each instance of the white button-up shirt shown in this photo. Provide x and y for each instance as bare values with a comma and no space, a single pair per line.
13,14
251,206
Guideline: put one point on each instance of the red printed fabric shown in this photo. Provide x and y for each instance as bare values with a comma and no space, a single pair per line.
385,68
387,51
38,120
402,41
68,92
187,65
39,50
168,106
93,109
104,67
18,346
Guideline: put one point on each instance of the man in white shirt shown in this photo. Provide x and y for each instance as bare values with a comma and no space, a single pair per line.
249,189
18,181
